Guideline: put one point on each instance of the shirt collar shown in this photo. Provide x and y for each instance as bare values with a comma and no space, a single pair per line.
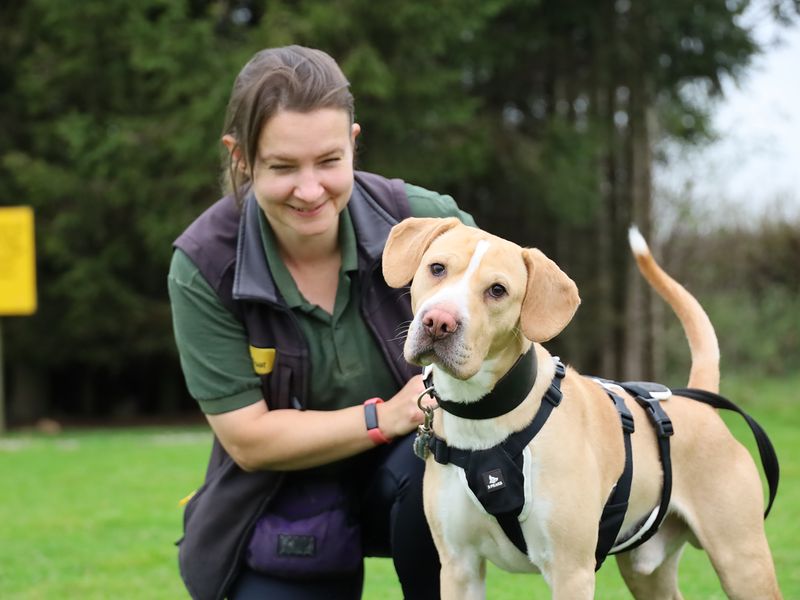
363,240
280,273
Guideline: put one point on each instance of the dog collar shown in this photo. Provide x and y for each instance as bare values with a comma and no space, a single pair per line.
509,392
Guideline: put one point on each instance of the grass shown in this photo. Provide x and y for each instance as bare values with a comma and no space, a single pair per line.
93,514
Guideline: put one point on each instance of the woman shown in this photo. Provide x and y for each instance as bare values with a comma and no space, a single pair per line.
292,345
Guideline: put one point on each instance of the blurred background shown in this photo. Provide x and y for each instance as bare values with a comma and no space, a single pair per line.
555,124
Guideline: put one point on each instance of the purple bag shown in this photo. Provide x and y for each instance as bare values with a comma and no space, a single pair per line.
308,531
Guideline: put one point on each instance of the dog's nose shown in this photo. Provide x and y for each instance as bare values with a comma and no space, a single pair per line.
439,323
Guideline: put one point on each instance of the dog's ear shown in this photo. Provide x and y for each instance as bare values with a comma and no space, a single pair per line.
406,244
551,298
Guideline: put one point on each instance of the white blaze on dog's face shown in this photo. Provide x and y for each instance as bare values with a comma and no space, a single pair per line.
467,302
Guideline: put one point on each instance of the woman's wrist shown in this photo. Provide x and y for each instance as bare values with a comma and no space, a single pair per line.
371,420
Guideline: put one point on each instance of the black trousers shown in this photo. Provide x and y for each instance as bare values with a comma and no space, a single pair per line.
388,480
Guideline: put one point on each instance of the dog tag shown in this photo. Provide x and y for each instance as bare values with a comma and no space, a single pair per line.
421,448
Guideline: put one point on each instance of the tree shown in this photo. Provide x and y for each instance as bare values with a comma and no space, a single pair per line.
539,118
577,104
111,138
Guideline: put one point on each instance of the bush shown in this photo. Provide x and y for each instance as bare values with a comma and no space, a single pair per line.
748,280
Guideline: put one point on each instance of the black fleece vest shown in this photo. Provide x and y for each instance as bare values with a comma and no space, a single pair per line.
225,245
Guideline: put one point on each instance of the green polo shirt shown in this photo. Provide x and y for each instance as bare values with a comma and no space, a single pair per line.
347,366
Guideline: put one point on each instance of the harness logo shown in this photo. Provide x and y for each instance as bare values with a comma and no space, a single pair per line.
493,480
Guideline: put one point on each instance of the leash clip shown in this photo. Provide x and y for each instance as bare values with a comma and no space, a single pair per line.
432,393
424,431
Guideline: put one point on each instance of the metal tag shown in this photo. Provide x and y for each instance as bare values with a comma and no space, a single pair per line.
424,434
421,448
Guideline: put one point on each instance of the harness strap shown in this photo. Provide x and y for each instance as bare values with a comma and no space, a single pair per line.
617,504
663,428
769,459
511,448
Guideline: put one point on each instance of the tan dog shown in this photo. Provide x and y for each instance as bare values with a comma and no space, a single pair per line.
480,302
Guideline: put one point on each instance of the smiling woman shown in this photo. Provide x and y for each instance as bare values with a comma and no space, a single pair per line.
302,180
278,281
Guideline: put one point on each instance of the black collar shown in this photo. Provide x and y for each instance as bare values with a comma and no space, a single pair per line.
506,395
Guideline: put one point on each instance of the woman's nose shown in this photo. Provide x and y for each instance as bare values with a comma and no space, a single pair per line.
308,188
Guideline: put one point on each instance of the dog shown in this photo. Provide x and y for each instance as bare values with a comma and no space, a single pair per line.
480,303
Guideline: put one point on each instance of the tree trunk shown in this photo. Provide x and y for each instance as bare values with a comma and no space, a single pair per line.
638,355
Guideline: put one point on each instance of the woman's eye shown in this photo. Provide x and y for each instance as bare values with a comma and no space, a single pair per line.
280,167
437,269
497,291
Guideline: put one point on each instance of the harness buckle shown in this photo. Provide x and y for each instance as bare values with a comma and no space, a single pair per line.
625,415
627,421
660,419
553,395
665,428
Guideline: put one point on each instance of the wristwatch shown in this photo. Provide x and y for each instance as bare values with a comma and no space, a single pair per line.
371,417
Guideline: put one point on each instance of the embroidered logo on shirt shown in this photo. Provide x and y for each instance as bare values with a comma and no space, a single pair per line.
493,480
263,359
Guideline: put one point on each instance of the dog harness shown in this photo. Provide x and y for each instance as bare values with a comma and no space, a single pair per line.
495,475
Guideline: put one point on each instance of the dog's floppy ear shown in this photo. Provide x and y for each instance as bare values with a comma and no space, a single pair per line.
551,298
406,244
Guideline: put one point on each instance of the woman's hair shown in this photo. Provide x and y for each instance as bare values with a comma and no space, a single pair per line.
290,78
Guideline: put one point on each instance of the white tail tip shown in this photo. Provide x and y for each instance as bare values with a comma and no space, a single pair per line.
637,241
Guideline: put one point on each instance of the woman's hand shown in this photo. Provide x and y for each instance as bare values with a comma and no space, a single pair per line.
400,414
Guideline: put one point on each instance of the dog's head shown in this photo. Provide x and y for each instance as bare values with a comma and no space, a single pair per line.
476,298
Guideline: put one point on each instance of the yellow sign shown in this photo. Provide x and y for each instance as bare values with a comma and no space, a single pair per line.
17,261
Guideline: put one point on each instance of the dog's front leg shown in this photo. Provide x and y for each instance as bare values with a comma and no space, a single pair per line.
570,579
463,577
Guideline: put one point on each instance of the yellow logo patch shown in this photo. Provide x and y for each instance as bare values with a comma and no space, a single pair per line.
263,359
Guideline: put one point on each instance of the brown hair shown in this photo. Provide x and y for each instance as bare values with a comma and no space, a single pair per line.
290,78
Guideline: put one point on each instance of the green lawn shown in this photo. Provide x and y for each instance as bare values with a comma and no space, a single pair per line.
93,514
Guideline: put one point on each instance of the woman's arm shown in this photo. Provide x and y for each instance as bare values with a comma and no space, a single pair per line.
284,440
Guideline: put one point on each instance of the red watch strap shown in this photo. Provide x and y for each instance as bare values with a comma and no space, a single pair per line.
371,418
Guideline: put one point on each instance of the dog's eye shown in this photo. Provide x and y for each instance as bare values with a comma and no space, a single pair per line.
437,269
497,291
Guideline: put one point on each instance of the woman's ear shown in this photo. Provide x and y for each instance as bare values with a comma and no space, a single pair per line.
235,151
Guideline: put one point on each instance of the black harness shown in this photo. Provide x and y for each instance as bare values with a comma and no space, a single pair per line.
612,518
495,475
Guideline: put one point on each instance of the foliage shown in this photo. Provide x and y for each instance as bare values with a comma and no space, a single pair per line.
114,147
747,279
525,111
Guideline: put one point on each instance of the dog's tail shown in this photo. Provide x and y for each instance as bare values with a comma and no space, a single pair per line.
696,325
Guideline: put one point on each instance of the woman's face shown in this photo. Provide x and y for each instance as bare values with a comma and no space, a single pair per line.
303,173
